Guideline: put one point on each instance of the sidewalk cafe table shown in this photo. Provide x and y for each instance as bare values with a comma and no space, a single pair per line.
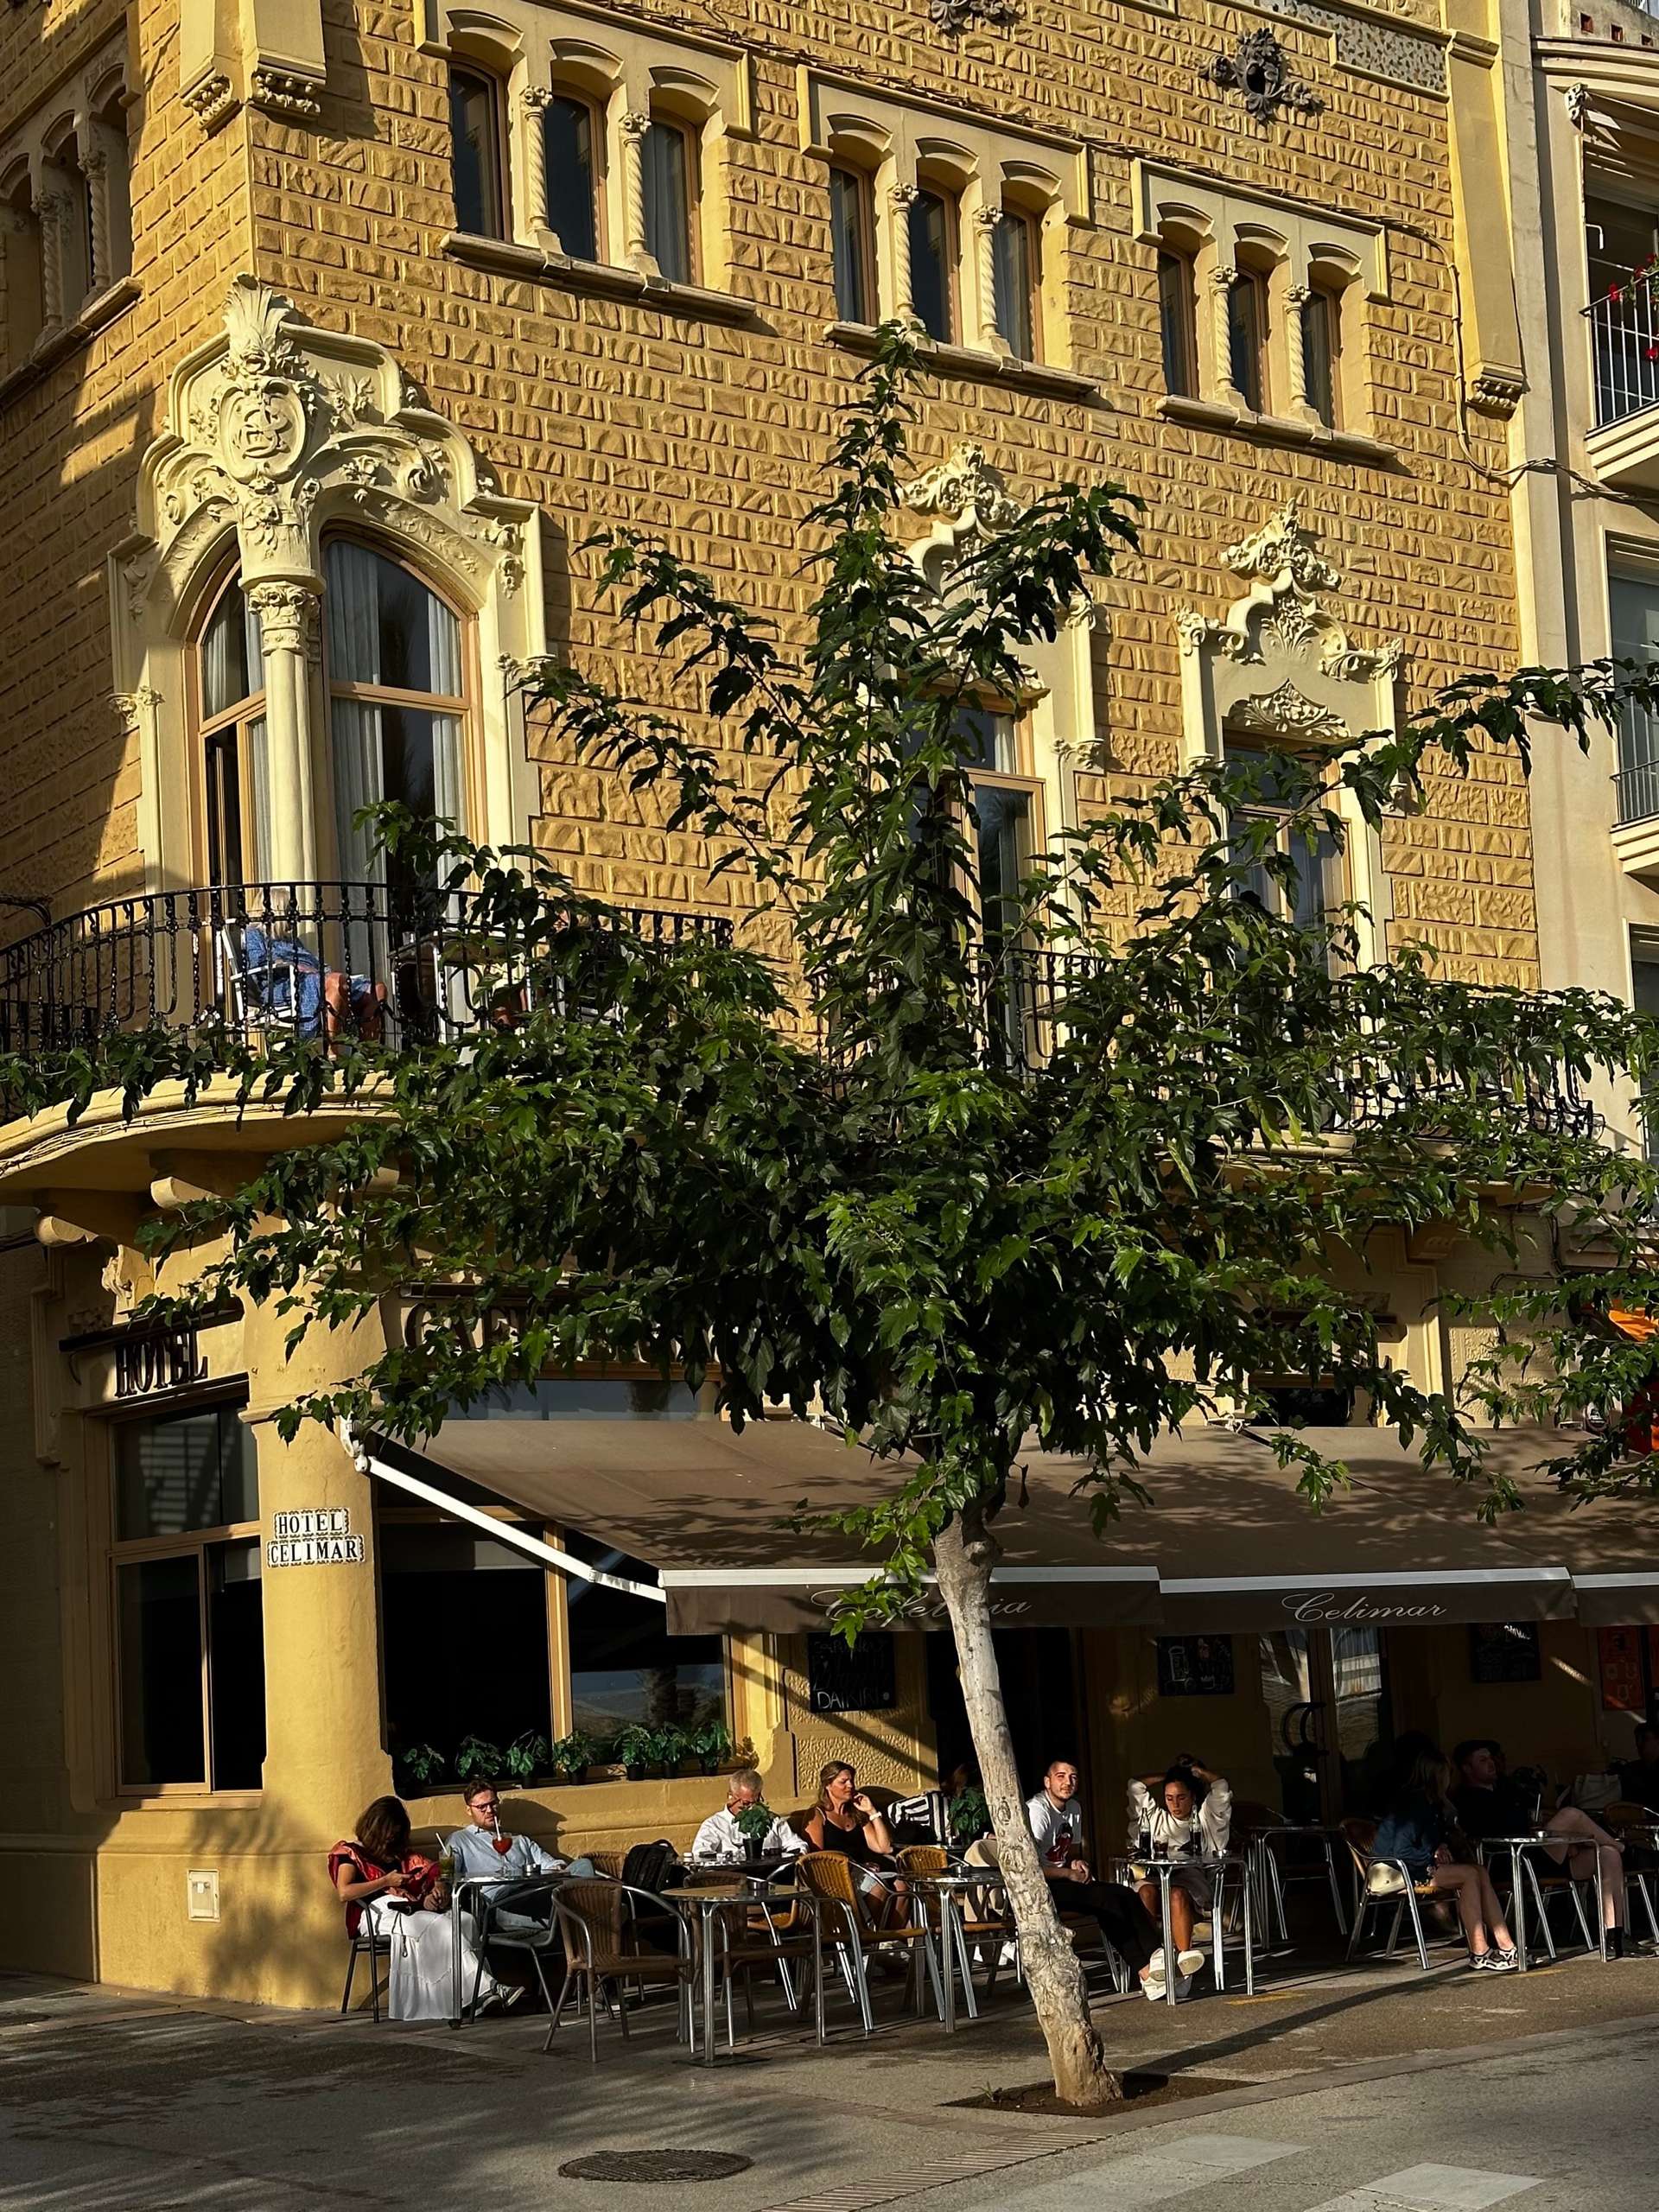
1165,1870
738,1887
947,1892
1517,1846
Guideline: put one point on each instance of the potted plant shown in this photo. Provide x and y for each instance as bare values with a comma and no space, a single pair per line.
967,1816
478,1759
527,1756
569,1758
643,1750
421,1768
754,1825
709,1743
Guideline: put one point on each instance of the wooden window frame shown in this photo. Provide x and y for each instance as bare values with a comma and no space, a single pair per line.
480,75
1253,286
1325,298
1176,265
691,137
235,722
1032,225
597,125
950,199
1337,866
864,226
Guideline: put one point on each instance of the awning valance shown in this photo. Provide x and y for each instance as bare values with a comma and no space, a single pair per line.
1225,1544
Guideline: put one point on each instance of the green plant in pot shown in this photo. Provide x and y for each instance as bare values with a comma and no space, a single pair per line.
967,1816
644,1749
477,1759
754,1825
709,1743
422,1767
527,1756
570,1757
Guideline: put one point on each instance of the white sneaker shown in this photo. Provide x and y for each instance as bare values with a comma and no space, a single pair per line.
1190,1962
1153,1989
1008,1955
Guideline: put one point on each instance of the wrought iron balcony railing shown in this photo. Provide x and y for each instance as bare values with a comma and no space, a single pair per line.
309,960
1624,344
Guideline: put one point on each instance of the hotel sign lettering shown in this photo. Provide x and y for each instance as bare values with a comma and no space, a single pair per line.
157,1360
319,1537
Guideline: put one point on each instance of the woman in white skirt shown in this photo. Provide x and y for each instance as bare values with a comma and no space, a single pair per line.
376,1873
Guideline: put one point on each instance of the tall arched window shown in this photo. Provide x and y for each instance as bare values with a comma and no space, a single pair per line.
230,678
934,232
395,698
478,152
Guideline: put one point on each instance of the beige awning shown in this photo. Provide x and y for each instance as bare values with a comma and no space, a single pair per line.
1226,1543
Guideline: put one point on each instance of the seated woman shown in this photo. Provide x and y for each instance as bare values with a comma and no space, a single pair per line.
847,1820
376,1874
1417,1829
1187,1815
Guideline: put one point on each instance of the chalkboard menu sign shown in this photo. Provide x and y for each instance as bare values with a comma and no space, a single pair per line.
1505,1651
1195,1666
855,1678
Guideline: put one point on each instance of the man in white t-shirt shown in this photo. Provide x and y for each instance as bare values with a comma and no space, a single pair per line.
1055,1815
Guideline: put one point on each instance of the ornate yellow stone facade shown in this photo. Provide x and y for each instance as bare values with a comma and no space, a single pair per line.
475,406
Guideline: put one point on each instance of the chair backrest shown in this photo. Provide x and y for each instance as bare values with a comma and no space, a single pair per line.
830,1874
608,1863
1623,1813
589,1914
923,1859
984,1851
1360,1836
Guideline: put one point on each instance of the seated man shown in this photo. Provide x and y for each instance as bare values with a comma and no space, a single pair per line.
1056,1819
1488,1802
1639,1778
482,1849
1186,1813
719,1836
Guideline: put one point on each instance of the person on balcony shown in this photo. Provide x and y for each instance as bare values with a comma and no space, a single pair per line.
284,982
1490,1802
1055,1818
1186,1815
376,1874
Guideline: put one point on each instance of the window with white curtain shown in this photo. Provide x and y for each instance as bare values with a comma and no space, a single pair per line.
235,789
396,699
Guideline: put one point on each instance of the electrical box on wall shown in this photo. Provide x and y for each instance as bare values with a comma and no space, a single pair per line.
201,1893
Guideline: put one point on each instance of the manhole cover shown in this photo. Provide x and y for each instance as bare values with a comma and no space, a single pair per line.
656,2165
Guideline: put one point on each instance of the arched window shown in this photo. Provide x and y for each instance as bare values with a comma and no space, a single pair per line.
71,188
395,698
25,290
1321,313
1017,269
933,248
230,692
573,138
852,243
1249,326
668,156
1179,323
477,145
113,181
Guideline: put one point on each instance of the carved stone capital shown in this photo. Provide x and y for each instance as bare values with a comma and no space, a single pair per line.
534,98
212,100
282,92
286,612
1497,391
634,124
988,217
1223,279
905,196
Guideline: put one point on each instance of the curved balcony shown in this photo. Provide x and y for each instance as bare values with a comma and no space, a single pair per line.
306,960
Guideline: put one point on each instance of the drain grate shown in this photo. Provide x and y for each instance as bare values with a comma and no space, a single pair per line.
656,2165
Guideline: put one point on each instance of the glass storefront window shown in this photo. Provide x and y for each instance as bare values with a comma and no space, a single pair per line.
189,1620
624,1665
464,1628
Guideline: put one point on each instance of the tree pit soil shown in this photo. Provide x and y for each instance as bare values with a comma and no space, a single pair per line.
1138,2089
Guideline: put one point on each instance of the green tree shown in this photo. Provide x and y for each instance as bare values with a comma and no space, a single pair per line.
1054,1175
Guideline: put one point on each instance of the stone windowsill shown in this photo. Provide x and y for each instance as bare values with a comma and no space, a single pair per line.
984,367
1273,429
508,257
51,347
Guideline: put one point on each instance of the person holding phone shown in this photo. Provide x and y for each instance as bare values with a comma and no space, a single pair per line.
845,1819
378,1875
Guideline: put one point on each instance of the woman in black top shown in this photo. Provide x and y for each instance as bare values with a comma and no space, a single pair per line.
844,1818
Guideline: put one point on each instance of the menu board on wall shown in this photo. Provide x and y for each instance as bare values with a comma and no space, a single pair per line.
1195,1666
1505,1651
1624,1678
857,1679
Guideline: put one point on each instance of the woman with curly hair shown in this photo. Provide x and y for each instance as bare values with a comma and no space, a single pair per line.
376,1873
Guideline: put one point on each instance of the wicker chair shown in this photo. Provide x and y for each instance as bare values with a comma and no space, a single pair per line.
607,1863
605,1946
1082,1927
830,1876
977,1924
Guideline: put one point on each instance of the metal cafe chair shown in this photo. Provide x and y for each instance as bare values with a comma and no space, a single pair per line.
1396,1888
1083,1928
536,1942
1546,1885
1284,1855
830,1876
597,1921
1628,1822
975,1924
368,1939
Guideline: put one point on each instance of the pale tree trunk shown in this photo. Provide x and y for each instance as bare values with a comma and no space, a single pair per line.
963,1558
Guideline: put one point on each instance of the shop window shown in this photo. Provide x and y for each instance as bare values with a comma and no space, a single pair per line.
1321,314
1178,324
625,1667
1273,789
933,220
189,1627
395,698
25,270
571,140
1248,328
1016,262
668,156
477,145
231,688
852,237
465,1637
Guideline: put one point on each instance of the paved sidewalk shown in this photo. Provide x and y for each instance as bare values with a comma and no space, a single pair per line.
113,2102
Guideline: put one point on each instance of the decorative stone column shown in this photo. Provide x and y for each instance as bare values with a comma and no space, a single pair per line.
96,163
901,199
287,615
1300,405
986,220
634,126
50,208
1222,281
536,99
